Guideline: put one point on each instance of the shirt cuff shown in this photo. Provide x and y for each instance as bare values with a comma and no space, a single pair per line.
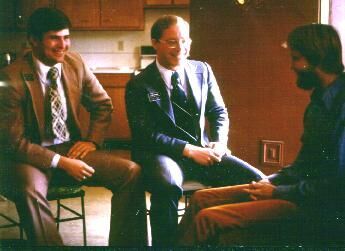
55,160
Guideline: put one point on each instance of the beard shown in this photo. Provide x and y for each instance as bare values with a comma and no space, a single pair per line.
307,79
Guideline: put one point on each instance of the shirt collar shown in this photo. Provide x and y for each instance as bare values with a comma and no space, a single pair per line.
42,69
166,74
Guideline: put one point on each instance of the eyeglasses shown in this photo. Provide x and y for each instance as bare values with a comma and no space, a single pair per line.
172,43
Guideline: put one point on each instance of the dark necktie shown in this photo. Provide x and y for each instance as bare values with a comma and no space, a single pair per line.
183,117
177,94
57,114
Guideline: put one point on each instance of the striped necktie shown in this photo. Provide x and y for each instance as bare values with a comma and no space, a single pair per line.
57,114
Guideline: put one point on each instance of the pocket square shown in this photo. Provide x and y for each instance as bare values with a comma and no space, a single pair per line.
153,96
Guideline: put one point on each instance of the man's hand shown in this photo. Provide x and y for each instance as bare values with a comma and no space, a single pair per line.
200,155
219,149
80,149
260,190
78,169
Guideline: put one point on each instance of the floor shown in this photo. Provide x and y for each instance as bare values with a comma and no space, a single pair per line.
97,207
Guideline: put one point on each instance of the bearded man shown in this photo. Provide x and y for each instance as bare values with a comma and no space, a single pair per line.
311,188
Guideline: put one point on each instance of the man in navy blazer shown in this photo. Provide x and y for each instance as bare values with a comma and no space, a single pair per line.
170,142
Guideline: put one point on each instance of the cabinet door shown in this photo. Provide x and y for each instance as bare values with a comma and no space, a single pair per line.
84,14
115,85
182,2
158,2
25,8
122,14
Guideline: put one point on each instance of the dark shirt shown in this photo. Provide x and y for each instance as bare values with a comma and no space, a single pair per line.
318,171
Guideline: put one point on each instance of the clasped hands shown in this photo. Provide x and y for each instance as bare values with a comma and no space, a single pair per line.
205,156
73,164
260,190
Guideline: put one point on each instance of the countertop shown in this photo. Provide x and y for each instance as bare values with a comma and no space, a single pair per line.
115,70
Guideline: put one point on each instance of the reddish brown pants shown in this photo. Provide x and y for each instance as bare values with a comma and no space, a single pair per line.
228,209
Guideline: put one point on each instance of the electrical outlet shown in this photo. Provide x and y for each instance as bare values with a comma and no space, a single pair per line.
272,152
120,45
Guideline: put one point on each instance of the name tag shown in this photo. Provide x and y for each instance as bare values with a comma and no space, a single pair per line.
29,77
153,96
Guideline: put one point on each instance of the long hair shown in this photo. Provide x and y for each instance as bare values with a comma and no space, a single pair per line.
320,45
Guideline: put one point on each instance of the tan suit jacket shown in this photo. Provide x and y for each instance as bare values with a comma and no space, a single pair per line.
22,96
22,128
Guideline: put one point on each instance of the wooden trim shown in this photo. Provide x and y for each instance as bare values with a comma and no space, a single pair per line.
175,6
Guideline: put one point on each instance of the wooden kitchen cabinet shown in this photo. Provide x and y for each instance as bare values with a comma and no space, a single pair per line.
166,3
115,85
82,13
124,14
181,2
158,2
104,14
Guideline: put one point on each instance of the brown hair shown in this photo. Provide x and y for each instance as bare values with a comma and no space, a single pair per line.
320,45
163,23
46,19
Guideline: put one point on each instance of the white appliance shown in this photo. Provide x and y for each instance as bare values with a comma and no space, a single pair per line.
147,56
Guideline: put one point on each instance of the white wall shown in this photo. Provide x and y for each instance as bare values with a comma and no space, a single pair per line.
324,11
337,19
101,48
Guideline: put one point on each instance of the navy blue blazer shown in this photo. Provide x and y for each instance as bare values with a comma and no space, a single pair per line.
151,117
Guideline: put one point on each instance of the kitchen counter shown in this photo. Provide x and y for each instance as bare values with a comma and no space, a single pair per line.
114,70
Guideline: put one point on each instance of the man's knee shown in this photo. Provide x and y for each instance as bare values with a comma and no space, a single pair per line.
30,181
133,170
165,173
204,215
198,199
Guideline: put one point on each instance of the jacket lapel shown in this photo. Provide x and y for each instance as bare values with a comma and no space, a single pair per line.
157,92
72,92
35,89
195,82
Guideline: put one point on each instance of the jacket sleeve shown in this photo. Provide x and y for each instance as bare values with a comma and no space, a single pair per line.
14,143
296,186
98,103
215,111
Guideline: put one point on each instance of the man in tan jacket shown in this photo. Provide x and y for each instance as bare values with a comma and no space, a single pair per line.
40,132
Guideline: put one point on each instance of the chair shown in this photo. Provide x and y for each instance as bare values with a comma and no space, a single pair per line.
10,222
68,192
58,194
189,187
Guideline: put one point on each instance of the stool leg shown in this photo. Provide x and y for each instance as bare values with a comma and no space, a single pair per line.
83,218
58,214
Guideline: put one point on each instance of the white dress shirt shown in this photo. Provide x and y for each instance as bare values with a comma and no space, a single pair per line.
166,75
42,71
